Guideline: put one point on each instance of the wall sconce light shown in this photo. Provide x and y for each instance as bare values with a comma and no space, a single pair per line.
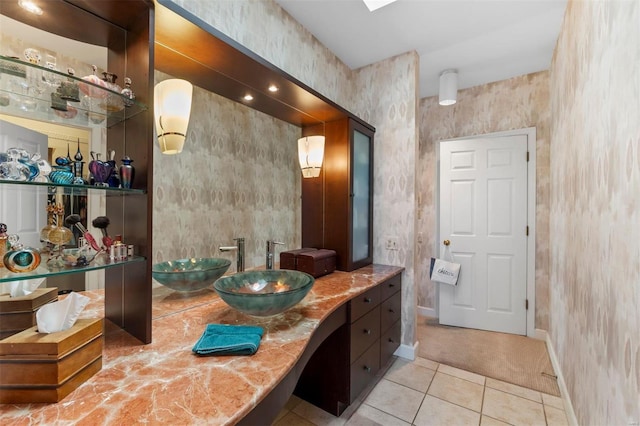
311,154
448,87
172,108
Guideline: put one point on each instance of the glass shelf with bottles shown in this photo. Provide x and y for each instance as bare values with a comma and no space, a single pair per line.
33,91
20,167
51,266
77,190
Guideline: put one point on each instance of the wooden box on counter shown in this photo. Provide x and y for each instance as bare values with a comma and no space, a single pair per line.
19,313
38,367
317,262
288,259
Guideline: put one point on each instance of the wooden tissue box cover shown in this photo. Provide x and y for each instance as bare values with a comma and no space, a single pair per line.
19,313
317,263
38,367
288,258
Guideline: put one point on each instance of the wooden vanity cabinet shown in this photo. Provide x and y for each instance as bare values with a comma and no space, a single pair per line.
337,206
374,332
350,358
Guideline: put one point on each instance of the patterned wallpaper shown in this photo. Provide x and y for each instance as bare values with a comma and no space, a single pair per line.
516,103
266,29
595,209
238,176
390,101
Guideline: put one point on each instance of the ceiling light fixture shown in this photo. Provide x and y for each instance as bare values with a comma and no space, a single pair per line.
30,6
172,108
248,98
273,88
448,87
376,4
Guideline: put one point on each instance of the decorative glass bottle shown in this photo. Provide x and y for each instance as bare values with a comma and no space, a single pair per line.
60,235
127,172
44,232
4,242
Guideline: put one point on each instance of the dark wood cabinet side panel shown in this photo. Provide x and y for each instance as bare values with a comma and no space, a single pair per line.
325,379
337,190
312,212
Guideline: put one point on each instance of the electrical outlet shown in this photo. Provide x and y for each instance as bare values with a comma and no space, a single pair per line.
392,243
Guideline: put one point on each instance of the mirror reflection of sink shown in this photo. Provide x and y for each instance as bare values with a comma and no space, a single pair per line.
264,292
190,274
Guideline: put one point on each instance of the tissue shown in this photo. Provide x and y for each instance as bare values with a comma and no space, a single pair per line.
61,315
20,288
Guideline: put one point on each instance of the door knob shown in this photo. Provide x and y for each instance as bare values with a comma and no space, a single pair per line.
446,242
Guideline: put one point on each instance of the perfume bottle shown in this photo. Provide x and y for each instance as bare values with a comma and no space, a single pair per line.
4,242
127,172
60,235
128,93
19,258
44,232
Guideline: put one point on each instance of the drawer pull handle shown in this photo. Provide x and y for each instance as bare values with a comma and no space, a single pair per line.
367,369
392,285
367,331
391,340
367,300
391,310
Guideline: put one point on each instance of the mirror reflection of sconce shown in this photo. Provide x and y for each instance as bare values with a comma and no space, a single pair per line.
311,154
172,108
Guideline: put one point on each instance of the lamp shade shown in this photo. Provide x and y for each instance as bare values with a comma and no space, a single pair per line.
311,154
448,87
172,108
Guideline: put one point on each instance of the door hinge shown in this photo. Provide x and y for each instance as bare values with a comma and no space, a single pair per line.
527,156
526,231
526,304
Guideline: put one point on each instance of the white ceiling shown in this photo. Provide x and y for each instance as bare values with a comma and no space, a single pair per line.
485,40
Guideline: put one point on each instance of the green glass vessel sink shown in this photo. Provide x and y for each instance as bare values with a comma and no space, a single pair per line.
264,293
190,274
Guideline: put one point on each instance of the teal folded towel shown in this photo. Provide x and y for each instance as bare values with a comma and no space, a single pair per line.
222,339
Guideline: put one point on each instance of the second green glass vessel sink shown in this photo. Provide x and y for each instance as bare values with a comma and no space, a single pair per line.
264,293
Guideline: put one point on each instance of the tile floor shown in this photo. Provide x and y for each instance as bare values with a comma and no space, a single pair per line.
423,392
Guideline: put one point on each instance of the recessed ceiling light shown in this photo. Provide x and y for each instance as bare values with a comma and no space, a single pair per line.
248,98
273,88
30,6
376,4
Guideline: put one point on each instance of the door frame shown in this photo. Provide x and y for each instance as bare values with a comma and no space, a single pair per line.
530,133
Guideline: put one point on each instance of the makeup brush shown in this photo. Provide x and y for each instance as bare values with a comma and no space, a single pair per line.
74,219
101,222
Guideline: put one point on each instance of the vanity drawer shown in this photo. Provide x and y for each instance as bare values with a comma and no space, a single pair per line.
363,371
390,286
390,311
389,342
365,332
363,303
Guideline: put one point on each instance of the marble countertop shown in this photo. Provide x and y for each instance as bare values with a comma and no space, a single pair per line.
164,382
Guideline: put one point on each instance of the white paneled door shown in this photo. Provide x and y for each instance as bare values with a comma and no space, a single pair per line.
23,208
483,213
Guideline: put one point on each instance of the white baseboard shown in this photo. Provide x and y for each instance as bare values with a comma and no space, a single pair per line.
540,334
568,407
407,352
427,312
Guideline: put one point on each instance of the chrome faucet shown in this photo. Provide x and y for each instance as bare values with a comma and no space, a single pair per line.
240,253
271,245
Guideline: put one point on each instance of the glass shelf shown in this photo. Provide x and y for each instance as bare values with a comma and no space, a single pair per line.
101,261
26,88
71,189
